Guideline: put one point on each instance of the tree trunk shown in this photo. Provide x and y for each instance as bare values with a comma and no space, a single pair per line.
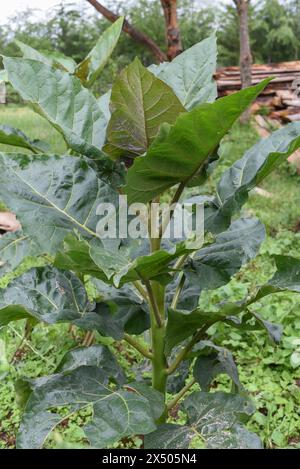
172,28
245,49
131,31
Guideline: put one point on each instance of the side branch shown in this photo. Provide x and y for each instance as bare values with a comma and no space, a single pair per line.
138,346
180,395
184,352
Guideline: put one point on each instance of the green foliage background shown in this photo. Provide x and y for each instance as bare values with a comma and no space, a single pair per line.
274,29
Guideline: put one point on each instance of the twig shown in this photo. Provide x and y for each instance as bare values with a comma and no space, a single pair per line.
141,290
138,346
25,341
178,396
182,355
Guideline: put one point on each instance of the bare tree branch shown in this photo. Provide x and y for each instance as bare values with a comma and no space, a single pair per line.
172,28
131,31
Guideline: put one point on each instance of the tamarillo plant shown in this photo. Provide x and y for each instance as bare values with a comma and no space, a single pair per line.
155,134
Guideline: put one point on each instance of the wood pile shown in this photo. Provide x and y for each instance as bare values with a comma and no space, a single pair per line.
280,100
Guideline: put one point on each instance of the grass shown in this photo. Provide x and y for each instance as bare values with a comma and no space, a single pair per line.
32,125
265,370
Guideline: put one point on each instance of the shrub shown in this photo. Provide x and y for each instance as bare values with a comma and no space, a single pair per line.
154,135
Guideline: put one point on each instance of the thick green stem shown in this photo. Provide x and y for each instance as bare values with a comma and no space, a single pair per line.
159,362
156,294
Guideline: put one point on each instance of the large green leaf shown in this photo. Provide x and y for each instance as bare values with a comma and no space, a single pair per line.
14,248
124,269
140,103
179,153
103,103
216,264
183,324
190,74
3,76
252,321
213,266
116,414
52,195
56,59
286,278
214,418
90,68
115,265
75,256
177,380
95,355
11,136
249,171
212,361
63,101
46,294
155,398
51,295
128,310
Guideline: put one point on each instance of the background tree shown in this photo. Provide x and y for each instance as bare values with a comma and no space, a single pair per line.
245,50
72,33
275,32
173,36
228,36
129,29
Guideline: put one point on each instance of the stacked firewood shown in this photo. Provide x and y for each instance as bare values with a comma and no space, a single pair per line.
280,100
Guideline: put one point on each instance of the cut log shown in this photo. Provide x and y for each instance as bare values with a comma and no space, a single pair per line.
281,97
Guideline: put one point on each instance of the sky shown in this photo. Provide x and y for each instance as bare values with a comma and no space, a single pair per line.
11,7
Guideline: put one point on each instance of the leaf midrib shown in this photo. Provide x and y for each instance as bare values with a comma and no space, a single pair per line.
54,206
